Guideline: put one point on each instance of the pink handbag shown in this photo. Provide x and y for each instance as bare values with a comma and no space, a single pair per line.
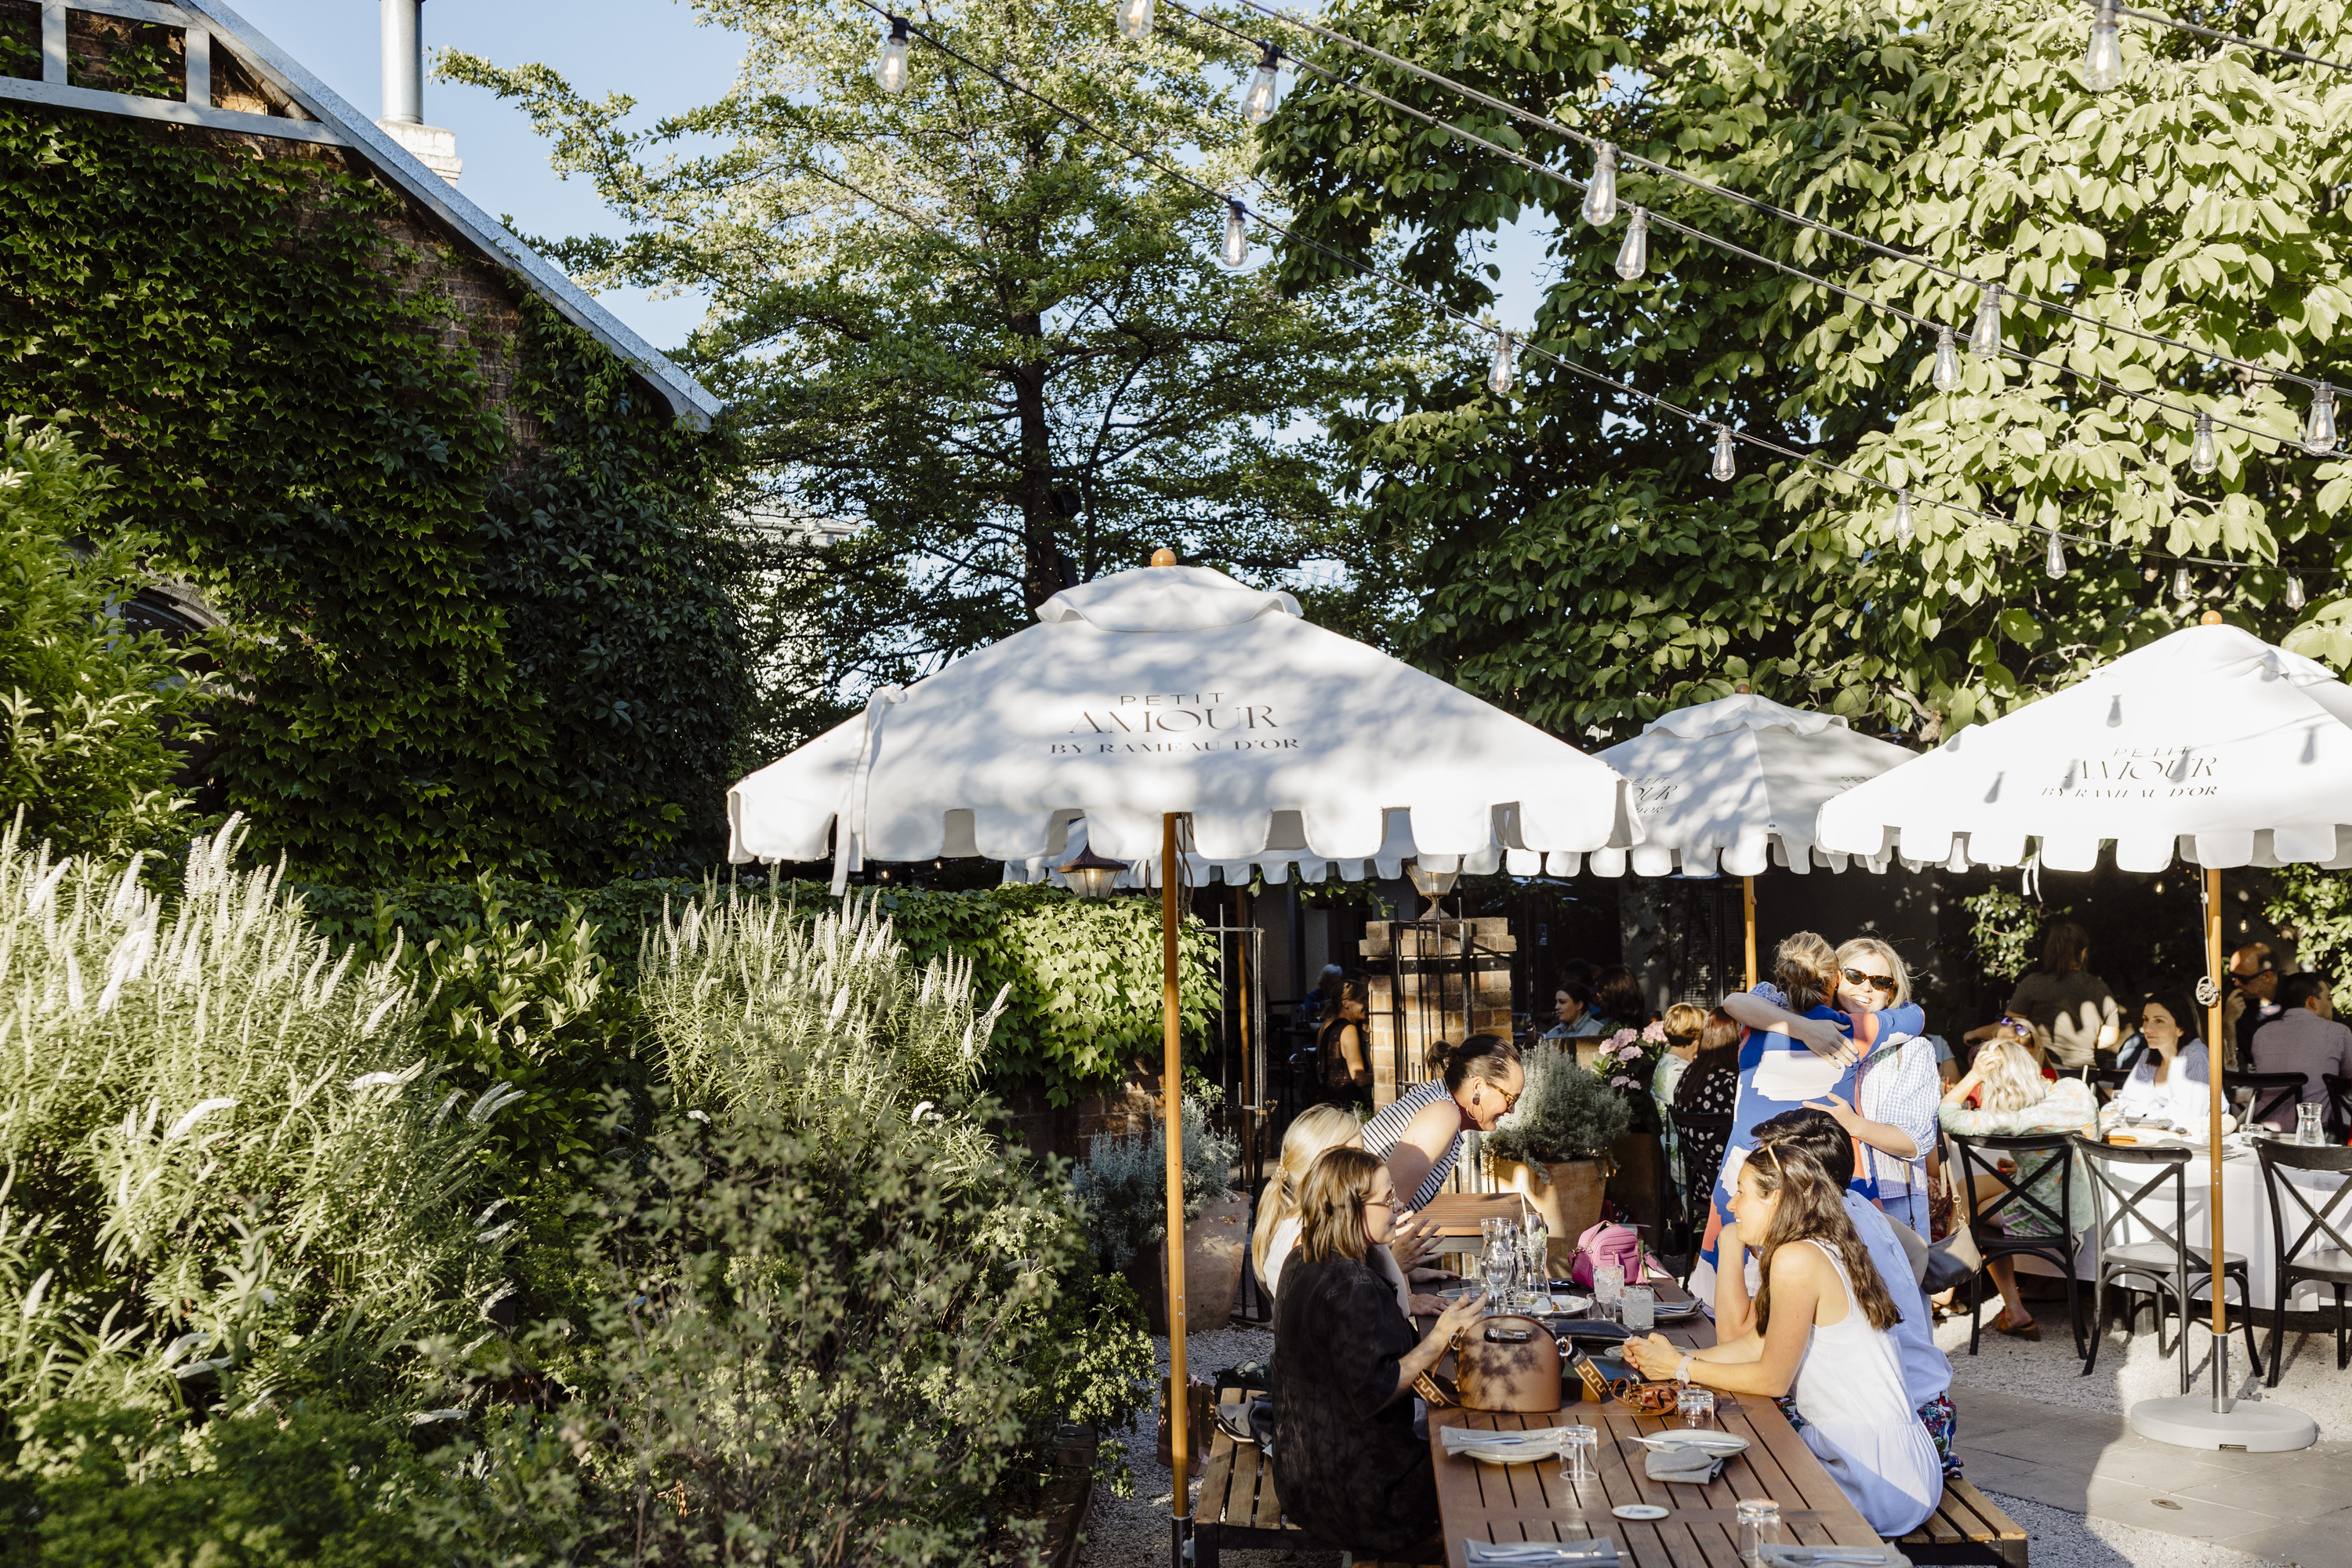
1618,1244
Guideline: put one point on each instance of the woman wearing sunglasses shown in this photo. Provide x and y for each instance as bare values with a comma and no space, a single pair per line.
1896,1086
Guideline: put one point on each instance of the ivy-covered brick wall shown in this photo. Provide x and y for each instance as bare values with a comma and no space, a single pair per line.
477,609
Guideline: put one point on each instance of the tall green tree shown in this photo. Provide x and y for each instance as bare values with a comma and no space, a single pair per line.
989,334
1581,566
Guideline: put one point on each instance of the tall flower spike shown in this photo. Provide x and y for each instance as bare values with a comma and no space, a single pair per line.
1633,256
2102,63
1903,526
2293,592
1235,251
1134,19
2055,561
2319,425
1257,103
1600,195
1498,374
1985,341
1723,467
2204,456
1947,361
890,71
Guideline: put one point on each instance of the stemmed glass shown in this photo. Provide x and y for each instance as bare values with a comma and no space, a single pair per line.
1500,1267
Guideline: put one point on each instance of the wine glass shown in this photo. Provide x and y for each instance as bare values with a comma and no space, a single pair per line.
1499,1268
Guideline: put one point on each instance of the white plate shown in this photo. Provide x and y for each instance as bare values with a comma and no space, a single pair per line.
1639,1510
1669,1311
1694,1438
1508,1453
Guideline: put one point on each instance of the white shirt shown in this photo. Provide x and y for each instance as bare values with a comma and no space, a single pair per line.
1926,1371
2184,1096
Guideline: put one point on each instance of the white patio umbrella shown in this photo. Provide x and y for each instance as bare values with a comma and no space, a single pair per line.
2209,743
1175,697
1732,785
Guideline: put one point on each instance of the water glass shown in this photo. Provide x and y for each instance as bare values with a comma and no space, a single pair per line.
1608,1284
1534,1271
1579,1446
1695,1407
1499,1270
2306,1125
1759,1526
1637,1307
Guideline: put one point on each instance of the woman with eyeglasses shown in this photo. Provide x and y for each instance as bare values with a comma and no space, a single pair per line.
1419,1133
1896,1087
1346,1465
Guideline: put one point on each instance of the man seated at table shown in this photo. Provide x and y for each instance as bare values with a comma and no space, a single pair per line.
2304,1038
1926,1371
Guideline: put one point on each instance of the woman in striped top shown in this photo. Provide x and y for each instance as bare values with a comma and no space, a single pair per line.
1420,1133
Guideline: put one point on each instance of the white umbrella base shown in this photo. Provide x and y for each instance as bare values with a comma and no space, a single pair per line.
2189,1421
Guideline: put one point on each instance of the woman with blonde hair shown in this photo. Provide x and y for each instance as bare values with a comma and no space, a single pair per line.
2004,1095
1896,1086
1314,1129
1348,1467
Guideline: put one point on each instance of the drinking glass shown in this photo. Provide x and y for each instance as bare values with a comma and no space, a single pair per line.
1534,1271
1608,1284
2306,1125
1695,1407
1637,1307
1578,1445
2245,1100
1499,1270
1759,1526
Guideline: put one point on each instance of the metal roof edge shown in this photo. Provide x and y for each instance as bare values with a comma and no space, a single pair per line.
688,399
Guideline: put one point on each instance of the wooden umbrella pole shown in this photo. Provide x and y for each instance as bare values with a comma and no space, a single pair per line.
1747,905
1173,1097
2213,1059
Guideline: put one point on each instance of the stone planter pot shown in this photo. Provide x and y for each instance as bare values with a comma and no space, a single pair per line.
1566,1196
1216,1250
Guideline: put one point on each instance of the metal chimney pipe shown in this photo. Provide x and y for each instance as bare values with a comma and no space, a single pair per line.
403,62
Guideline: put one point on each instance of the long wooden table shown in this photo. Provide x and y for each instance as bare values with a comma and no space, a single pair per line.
1536,1502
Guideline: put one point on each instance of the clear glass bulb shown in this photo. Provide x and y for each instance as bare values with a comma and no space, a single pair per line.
2293,592
1985,341
2204,456
1633,256
2102,63
2055,561
1723,467
1235,251
890,71
1257,103
1600,195
1903,526
1134,19
2184,587
1947,361
1498,374
2319,427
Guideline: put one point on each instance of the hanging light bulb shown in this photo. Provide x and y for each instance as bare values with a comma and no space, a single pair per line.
2319,427
1600,195
1947,361
890,71
2103,64
2203,456
1723,467
1235,251
1985,341
2055,562
1498,374
1903,521
1633,256
2183,588
1257,103
2293,592
1134,19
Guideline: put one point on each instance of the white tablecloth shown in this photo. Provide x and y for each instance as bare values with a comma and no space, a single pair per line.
2245,1219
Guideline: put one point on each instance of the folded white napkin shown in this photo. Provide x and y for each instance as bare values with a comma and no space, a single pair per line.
1543,1443
1783,1554
1600,1552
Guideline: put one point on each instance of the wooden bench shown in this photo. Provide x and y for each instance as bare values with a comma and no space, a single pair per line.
1967,1528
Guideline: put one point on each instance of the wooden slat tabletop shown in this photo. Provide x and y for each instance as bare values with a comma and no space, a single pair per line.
1458,1214
1536,1502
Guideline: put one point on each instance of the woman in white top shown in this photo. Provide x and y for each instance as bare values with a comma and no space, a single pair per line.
2169,1083
1821,1320
1314,1129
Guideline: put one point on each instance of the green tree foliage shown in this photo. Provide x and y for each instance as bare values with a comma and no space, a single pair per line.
992,336
1583,569
464,629
89,708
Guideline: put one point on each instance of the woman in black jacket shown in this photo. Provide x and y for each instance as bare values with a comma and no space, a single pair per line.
1348,1467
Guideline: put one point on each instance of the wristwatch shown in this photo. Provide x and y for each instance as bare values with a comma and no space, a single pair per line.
1682,1370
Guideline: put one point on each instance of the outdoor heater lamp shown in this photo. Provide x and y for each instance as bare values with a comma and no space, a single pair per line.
1091,876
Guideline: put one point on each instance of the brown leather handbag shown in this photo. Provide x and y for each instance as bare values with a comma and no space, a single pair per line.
1507,1363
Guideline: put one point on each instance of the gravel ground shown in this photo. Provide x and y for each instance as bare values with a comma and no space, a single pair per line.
1132,1531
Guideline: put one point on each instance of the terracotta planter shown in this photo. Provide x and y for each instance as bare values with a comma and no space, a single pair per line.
1216,1250
1566,1196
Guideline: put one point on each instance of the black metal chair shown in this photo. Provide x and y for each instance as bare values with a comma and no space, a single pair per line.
2330,1264
2273,1092
2106,1083
2165,1262
2041,1231
2339,1106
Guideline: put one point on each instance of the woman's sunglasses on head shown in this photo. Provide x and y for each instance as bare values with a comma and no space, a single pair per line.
1879,982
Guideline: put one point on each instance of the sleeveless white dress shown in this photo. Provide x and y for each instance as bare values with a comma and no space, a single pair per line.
1860,1423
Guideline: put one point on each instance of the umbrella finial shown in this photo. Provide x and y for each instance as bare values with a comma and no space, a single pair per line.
1163,556
2209,618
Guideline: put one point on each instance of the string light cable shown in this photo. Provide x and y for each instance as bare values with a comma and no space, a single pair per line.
1976,516
1987,342
1615,154
2102,10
